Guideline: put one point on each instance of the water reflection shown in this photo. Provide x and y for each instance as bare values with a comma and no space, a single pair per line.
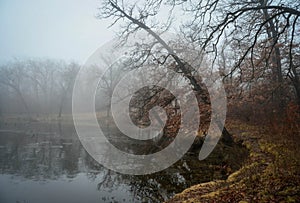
45,162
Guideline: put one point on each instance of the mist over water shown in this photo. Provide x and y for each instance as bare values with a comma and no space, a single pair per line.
43,161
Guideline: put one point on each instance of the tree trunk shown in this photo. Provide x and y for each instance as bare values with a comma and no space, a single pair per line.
61,104
22,100
276,60
182,67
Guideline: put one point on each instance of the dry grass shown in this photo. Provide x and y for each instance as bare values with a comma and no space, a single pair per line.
271,173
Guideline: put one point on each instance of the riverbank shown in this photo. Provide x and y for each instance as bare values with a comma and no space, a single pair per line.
270,174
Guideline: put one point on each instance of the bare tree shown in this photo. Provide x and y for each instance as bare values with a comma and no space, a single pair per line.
260,37
66,81
12,76
136,18
42,74
43,86
260,31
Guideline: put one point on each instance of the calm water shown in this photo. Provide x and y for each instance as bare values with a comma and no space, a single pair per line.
45,162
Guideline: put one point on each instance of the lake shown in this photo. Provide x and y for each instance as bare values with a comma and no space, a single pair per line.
45,162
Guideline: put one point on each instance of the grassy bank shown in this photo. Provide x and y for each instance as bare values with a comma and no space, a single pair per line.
270,174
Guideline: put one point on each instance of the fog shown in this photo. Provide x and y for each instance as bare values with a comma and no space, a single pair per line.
188,91
37,87
67,30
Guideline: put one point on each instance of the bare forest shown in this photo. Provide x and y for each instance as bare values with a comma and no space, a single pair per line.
240,64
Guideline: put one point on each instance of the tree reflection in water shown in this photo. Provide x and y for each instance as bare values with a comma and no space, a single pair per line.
45,152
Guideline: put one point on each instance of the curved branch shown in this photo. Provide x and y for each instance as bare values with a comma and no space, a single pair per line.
181,65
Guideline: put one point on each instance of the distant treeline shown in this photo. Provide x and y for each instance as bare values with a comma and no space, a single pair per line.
41,86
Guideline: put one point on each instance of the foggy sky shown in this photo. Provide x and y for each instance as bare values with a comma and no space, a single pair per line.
59,29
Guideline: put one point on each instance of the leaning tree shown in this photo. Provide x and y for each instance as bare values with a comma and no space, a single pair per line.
259,34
